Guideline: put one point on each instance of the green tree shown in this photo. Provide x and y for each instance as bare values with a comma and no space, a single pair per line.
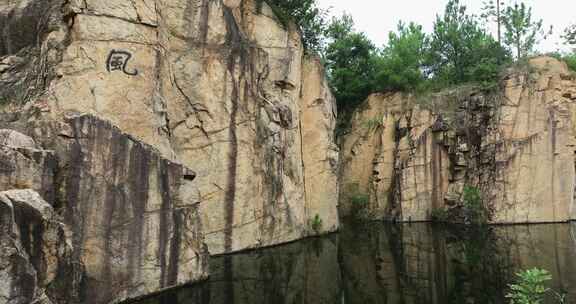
570,34
493,10
521,31
310,19
401,63
461,50
349,58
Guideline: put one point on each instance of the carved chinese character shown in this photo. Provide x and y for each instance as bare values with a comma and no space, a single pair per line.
118,60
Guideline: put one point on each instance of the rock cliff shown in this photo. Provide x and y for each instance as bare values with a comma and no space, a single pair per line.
221,86
159,131
408,157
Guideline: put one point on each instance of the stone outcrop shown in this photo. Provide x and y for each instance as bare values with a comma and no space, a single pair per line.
136,227
406,158
36,264
127,216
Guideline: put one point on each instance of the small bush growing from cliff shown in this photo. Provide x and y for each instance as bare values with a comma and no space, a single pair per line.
373,123
439,215
359,203
316,224
530,287
474,210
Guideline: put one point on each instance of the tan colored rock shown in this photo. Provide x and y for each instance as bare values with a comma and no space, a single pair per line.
393,159
24,168
220,87
518,150
319,152
133,231
535,181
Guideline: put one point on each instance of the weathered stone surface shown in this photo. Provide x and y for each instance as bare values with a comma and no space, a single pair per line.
36,255
393,159
23,166
129,216
535,141
320,155
220,86
135,228
517,148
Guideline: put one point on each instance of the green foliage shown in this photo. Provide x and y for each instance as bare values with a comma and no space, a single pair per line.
530,288
349,60
569,58
359,202
474,210
373,123
570,34
316,224
439,215
521,31
400,64
492,10
461,51
310,19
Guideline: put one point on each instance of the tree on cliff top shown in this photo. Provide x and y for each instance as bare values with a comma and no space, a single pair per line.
494,9
401,64
522,32
461,50
570,34
349,62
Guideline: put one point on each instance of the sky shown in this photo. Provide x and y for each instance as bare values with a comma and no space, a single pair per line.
378,17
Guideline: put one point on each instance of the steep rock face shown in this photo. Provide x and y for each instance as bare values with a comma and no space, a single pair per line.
393,160
517,147
221,86
129,216
320,155
135,223
36,263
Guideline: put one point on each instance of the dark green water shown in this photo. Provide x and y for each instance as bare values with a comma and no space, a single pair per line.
379,263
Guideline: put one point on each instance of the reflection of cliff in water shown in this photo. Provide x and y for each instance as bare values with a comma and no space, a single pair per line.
400,264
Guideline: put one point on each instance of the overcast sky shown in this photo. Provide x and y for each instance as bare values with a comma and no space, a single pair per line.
377,17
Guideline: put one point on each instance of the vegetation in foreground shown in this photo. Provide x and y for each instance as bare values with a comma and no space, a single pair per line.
530,288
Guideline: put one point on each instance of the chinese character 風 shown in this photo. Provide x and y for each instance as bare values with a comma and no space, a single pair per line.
118,60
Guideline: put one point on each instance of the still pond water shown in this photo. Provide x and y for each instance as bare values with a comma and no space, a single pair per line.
381,263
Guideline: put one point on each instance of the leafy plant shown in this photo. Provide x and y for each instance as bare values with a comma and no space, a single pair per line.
316,224
349,59
530,288
373,123
493,10
401,64
439,215
570,34
521,31
461,51
359,202
474,210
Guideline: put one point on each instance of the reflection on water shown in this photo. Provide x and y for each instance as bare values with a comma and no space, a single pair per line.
400,264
